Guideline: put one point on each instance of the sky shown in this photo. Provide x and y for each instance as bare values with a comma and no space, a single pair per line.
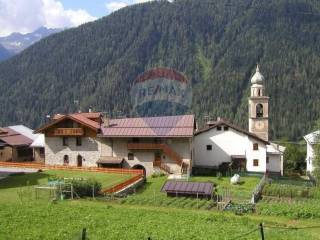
25,16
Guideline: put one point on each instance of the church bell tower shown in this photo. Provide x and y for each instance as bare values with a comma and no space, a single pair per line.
258,107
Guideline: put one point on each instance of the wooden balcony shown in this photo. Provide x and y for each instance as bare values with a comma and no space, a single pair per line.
144,146
68,132
167,150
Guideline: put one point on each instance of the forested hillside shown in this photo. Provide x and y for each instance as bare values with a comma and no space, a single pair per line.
215,43
4,53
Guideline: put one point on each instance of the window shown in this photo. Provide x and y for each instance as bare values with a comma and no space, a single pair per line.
255,146
255,162
267,159
65,160
65,141
41,151
24,152
209,147
130,156
226,128
135,140
259,110
79,141
219,128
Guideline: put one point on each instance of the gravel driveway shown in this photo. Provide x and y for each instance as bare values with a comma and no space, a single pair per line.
5,171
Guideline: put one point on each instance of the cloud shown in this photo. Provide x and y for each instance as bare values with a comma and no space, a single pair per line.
27,16
114,6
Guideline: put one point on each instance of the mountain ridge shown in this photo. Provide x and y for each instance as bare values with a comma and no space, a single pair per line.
17,42
215,44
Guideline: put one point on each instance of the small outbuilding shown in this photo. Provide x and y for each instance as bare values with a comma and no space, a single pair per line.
188,189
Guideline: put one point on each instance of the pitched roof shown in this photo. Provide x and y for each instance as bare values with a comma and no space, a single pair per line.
224,122
90,115
167,126
110,160
39,141
80,118
25,131
14,138
313,137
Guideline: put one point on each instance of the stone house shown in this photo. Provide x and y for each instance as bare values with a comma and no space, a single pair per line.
89,140
14,146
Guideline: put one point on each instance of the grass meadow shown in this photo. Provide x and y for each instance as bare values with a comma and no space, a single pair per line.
138,217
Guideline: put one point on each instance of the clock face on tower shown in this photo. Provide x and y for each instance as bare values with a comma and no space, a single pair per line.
259,125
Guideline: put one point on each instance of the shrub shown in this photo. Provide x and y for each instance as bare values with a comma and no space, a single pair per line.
85,188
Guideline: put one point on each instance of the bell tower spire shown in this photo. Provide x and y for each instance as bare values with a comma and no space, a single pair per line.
258,107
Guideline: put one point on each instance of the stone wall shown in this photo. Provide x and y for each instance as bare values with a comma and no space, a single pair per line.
55,151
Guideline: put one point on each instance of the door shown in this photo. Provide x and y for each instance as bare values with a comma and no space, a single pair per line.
79,161
157,159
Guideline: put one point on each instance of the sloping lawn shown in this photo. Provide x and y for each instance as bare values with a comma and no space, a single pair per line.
12,185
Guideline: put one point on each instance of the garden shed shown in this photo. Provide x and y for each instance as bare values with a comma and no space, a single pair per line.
188,189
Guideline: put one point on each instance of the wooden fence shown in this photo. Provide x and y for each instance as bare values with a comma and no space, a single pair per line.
72,168
123,185
256,194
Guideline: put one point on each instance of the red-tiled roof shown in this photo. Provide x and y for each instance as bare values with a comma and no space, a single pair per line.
224,122
90,115
169,126
77,117
14,138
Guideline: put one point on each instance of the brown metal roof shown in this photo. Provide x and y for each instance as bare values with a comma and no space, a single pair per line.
169,126
224,122
110,160
14,138
188,188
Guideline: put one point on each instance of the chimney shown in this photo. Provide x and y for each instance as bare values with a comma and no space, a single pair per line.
90,110
218,119
106,122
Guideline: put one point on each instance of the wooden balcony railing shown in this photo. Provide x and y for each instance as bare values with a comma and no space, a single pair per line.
68,132
157,146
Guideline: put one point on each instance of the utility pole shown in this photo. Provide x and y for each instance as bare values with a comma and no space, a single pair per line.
261,231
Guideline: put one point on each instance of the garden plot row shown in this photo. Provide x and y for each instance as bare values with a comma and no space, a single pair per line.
297,209
180,202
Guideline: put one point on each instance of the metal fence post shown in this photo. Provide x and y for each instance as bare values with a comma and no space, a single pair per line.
84,234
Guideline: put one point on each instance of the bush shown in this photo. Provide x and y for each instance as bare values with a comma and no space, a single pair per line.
84,188
240,209
156,175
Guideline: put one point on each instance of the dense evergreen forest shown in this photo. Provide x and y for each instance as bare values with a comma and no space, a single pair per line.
215,43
